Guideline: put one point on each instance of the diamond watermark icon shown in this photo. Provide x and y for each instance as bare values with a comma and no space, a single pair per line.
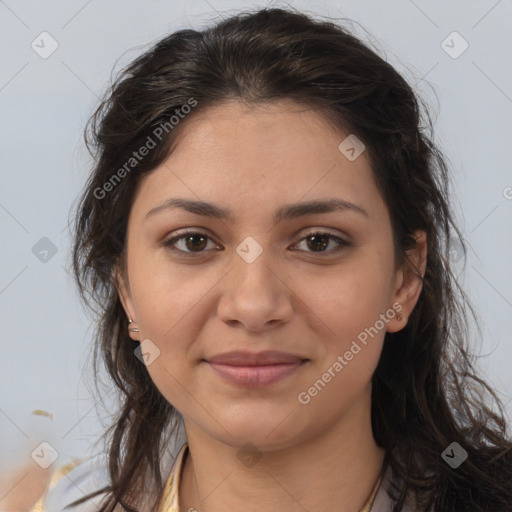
456,256
249,249
454,455
249,455
44,455
44,250
454,45
351,147
147,352
44,45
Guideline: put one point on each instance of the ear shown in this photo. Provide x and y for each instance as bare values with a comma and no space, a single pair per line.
408,284
123,290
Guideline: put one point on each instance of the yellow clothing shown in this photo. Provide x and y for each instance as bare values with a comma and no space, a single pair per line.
171,492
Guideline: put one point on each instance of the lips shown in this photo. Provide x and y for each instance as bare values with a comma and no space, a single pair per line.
255,370
268,357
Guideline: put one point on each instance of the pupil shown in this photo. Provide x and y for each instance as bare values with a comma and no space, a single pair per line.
317,241
190,237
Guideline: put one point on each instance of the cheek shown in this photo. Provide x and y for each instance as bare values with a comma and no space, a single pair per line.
171,307
346,300
166,293
348,304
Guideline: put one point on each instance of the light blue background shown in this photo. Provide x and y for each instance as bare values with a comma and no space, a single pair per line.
44,104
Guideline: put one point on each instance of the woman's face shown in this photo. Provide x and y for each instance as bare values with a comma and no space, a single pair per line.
256,278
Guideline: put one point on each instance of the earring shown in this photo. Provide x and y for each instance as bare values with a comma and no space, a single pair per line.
132,329
399,317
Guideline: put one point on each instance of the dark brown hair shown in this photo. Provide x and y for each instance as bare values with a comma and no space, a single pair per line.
426,393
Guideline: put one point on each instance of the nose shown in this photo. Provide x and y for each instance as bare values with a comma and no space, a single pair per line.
256,295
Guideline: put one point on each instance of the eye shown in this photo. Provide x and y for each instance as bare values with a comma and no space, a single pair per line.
196,242
320,240
193,242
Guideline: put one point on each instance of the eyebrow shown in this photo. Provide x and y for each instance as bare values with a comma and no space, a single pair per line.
287,212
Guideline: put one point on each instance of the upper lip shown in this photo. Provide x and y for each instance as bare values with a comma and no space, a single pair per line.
244,358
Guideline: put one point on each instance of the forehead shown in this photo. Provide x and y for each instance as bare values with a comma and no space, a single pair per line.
253,156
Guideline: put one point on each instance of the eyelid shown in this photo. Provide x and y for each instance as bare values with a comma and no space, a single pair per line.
180,234
342,242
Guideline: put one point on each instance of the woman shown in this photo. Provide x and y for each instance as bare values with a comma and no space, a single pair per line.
266,231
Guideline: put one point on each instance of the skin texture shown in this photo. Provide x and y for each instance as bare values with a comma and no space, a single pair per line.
293,297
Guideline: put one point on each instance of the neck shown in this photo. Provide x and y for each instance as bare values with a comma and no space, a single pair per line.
335,471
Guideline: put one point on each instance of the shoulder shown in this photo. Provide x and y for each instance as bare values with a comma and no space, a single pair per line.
72,482
84,476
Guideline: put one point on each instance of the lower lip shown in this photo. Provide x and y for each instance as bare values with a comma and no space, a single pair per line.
255,376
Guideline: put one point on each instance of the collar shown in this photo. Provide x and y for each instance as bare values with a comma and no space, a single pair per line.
171,495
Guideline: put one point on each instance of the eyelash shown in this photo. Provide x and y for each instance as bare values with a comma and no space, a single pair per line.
171,241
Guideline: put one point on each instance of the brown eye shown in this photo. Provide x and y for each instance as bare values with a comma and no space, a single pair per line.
318,241
194,242
191,242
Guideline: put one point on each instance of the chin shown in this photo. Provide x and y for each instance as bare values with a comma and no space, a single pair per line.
270,430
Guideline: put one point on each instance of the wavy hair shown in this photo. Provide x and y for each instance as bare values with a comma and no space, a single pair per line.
426,392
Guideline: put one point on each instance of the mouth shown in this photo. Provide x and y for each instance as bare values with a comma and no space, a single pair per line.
255,370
